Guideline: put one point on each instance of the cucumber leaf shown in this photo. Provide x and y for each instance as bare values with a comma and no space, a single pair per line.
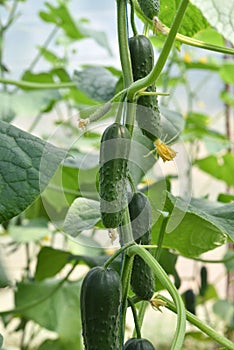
193,21
196,227
26,165
54,306
96,82
82,215
220,15
49,262
220,167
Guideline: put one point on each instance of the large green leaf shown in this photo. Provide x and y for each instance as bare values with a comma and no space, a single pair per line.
1,340
49,262
83,214
193,20
26,165
196,227
97,83
220,15
53,345
220,167
53,306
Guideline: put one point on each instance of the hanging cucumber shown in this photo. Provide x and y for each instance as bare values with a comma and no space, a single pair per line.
204,283
142,278
150,8
147,114
100,309
138,344
114,152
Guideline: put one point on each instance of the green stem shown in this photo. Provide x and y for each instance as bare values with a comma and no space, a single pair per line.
133,24
141,314
166,282
137,330
125,230
130,116
123,42
117,253
125,279
153,76
202,326
29,85
161,236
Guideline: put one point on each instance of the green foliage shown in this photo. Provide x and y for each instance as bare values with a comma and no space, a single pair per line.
219,13
52,305
51,210
194,20
218,166
24,158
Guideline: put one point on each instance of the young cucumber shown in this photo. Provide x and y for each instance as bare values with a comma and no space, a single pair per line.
114,152
138,344
150,8
147,114
100,309
142,278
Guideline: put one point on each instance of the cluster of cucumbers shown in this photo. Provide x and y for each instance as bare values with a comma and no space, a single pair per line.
101,292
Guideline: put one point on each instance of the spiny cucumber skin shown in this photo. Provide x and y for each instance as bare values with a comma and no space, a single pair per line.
100,309
150,8
142,278
114,152
147,114
138,344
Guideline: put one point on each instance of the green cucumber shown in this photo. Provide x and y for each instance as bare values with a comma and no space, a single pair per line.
204,283
114,152
138,344
142,277
150,8
147,114
190,301
100,301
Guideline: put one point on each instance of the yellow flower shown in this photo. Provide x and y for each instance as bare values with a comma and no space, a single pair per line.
164,151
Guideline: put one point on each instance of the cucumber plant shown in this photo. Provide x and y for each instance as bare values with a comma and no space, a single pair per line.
107,292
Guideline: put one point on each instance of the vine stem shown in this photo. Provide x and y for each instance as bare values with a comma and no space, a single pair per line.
122,27
166,282
201,325
135,317
154,74
117,253
29,85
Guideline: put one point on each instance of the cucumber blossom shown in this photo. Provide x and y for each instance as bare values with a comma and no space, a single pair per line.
142,278
138,344
114,152
100,301
147,114
150,8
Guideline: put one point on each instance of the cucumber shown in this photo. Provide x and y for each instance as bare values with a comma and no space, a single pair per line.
204,284
190,301
138,344
100,301
147,114
150,8
142,278
114,152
